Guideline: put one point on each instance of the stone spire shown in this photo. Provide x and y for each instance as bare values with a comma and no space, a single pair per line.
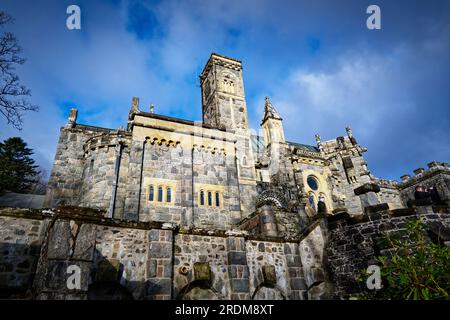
269,111
272,125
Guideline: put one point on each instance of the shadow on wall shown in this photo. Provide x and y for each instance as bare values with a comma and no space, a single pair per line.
24,277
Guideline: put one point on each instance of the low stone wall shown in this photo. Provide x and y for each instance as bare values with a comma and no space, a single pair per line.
20,245
354,242
42,249
119,259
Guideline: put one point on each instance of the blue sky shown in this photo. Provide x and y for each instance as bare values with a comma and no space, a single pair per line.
321,66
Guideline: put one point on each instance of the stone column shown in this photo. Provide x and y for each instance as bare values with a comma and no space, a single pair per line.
237,266
159,268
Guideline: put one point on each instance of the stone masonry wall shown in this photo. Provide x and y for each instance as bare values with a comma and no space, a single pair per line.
66,176
20,246
354,242
137,260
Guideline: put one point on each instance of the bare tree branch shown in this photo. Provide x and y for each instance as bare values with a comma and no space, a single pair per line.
12,94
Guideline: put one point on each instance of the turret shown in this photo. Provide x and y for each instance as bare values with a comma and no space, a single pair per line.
272,124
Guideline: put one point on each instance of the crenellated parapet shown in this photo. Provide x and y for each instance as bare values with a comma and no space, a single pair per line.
437,176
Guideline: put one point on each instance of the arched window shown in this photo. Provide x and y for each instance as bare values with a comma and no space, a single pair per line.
202,198
209,198
169,195
312,201
151,193
217,199
160,194
91,166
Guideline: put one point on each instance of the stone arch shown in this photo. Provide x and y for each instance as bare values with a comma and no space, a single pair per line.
271,197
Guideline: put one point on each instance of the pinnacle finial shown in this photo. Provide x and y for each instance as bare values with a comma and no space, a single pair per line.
319,142
152,108
135,104
349,131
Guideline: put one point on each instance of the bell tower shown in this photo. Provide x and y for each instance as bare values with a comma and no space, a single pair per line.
224,108
223,98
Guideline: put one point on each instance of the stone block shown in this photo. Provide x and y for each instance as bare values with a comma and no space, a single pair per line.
57,275
160,250
202,271
240,285
239,258
376,208
269,275
159,286
298,284
369,199
367,187
59,240
85,243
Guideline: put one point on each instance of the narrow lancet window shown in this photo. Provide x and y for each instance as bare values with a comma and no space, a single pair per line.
151,194
217,199
160,194
202,198
209,199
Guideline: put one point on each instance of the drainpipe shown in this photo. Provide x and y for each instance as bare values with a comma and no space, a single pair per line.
116,180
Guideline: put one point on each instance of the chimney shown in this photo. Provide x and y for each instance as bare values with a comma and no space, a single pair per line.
72,120
135,104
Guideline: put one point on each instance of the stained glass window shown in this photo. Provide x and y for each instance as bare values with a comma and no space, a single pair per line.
312,183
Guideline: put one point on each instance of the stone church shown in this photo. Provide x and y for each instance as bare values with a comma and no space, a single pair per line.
169,208
211,174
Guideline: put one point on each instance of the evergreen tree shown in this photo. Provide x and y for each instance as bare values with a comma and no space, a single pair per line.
17,169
